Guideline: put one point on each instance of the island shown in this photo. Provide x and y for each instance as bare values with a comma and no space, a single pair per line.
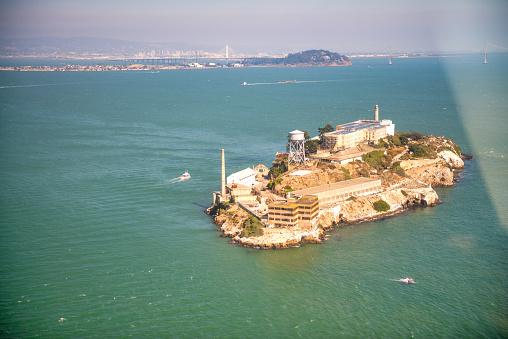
354,172
302,59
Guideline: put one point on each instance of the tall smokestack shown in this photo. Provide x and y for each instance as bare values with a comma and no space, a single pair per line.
223,177
376,113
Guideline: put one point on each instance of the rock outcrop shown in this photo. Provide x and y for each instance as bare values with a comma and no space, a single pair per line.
436,175
274,238
451,158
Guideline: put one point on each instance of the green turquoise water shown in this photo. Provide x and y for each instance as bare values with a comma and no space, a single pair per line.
98,240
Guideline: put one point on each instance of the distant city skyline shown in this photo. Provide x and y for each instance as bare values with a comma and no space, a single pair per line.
344,27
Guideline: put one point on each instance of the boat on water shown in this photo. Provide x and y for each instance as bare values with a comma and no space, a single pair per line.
407,280
287,81
185,176
244,83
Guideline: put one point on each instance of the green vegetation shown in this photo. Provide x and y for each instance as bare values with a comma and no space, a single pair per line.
395,140
397,169
412,135
458,151
271,185
279,167
325,165
316,57
220,208
380,144
422,151
404,193
346,173
287,189
326,129
404,137
311,146
381,206
364,172
252,227
377,160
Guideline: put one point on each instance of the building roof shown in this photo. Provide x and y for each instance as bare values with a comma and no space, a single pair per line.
307,200
237,187
334,186
242,174
358,125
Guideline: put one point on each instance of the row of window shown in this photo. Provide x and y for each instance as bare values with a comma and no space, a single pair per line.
279,219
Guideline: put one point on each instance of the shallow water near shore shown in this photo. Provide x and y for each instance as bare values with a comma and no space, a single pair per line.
98,240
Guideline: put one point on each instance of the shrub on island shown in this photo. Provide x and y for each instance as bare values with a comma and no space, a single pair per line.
381,206
252,227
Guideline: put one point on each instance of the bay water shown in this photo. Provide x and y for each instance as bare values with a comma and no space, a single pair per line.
100,240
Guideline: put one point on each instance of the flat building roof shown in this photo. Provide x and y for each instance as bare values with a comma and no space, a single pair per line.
357,125
335,186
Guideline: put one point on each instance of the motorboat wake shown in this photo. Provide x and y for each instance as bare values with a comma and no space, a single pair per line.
183,177
405,280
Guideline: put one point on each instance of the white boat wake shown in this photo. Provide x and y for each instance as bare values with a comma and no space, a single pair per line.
284,82
405,280
183,177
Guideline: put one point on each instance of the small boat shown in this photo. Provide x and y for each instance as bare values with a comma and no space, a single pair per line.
244,83
407,280
185,176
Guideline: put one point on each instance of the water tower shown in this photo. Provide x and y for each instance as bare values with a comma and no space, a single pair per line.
296,147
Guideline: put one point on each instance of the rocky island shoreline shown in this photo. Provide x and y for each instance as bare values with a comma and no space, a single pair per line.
407,165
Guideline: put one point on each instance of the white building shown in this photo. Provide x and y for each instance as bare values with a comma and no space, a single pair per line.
246,177
351,134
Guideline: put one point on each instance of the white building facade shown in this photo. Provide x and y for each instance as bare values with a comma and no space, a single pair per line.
246,177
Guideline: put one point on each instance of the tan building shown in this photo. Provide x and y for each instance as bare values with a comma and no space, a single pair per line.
240,193
353,133
332,193
261,170
301,213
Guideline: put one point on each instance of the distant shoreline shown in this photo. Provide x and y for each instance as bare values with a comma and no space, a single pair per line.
137,67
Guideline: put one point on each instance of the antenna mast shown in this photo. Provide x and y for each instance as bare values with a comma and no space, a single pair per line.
485,61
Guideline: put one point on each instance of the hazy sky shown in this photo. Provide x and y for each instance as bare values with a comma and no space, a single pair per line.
337,25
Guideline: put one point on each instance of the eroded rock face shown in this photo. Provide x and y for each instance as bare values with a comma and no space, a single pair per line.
280,238
437,175
451,158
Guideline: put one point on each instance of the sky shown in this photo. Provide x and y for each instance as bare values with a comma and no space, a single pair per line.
337,25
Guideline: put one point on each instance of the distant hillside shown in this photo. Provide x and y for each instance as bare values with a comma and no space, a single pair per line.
306,58
86,47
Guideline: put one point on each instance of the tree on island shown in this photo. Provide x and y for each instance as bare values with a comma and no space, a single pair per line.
326,129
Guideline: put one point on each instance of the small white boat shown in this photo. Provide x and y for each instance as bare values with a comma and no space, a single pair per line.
407,280
244,83
185,176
